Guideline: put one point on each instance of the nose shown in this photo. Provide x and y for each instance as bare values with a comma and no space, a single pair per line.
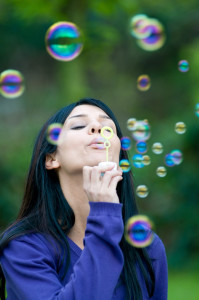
95,128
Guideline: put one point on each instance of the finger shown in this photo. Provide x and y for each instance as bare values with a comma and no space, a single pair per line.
95,177
114,182
108,177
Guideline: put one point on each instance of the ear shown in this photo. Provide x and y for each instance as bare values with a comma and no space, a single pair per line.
51,162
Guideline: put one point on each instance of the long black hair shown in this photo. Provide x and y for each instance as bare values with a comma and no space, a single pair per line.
44,208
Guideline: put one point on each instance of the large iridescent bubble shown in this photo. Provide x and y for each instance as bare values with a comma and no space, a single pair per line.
11,84
64,41
138,231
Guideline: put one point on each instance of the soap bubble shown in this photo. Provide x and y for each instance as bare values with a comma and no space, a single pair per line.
146,160
143,82
177,156
131,124
156,37
138,231
161,171
136,26
180,127
157,148
183,66
141,147
197,109
141,131
11,84
138,161
142,191
53,133
125,143
169,161
64,41
125,165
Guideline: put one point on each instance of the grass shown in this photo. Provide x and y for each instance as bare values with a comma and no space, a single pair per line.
183,285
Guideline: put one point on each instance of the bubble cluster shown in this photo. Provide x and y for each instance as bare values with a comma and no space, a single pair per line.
138,231
141,147
11,84
142,191
183,66
161,171
141,131
125,143
53,133
125,165
180,127
143,82
173,158
64,41
157,148
149,33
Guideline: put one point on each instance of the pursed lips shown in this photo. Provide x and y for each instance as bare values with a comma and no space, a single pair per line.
97,143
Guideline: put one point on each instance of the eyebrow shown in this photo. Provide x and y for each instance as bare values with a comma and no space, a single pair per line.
84,115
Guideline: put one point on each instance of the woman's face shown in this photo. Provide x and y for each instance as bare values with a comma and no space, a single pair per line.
80,142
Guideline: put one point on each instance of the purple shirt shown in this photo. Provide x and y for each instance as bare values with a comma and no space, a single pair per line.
30,263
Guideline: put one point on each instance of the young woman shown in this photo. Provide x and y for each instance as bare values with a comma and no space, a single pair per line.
68,240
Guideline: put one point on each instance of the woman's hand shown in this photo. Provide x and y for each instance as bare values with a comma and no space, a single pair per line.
101,188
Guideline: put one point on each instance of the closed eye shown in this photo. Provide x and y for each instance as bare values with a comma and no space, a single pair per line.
77,127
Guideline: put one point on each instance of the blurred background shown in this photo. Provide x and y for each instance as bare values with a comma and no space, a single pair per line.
107,68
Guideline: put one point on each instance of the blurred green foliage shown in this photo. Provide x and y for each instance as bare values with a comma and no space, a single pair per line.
107,69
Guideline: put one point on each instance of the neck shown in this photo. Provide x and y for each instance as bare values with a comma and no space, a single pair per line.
72,187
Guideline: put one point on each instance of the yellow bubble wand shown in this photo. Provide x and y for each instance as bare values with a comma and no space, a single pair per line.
107,143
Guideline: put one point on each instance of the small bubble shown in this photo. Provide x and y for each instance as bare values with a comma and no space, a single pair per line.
11,84
180,127
53,133
177,156
169,160
197,110
125,143
157,148
131,124
138,160
141,147
146,160
143,82
183,66
161,171
142,191
125,165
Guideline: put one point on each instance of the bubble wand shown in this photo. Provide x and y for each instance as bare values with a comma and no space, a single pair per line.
107,143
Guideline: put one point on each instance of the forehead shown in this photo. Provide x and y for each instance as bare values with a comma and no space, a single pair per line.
87,109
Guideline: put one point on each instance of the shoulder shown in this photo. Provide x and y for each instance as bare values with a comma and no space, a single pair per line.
32,244
156,249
